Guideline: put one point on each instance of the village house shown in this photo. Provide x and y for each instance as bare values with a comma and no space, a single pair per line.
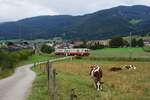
63,45
102,42
147,42
77,43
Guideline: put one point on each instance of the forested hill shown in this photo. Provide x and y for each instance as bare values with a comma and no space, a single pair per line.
99,25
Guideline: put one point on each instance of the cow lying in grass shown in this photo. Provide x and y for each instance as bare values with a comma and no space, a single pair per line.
129,67
96,74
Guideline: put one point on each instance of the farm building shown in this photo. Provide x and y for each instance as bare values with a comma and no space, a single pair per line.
63,45
77,43
147,42
102,42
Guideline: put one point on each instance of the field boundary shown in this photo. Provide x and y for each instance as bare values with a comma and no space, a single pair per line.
115,59
51,77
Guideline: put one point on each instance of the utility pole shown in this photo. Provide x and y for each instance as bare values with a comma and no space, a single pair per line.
19,32
130,40
148,36
130,52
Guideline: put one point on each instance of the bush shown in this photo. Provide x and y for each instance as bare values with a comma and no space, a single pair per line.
120,42
47,49
116,42
140,43
96,46
146,48
9,59
134,42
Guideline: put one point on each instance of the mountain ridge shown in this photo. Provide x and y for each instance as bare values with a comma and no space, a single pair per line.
117,21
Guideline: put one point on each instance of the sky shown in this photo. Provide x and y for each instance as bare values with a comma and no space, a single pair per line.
12,10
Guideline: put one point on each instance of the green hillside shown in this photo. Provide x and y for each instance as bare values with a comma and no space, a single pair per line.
117,21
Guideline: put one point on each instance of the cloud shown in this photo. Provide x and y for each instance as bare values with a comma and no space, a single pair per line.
18,9
77,7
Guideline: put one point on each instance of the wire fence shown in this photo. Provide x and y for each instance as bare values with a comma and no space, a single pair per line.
51,79
53,92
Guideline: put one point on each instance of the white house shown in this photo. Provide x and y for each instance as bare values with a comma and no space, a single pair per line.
147,42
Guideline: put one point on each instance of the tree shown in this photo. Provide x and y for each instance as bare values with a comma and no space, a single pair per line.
134,42
95,46
47,49
116,42
140,43
126,43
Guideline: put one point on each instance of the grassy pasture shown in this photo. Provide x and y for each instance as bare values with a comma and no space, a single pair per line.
123,85
147,49
37,58
120,52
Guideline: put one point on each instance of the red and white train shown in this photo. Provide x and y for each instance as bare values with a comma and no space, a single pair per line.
72,52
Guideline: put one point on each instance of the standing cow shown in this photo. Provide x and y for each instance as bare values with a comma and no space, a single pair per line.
96,74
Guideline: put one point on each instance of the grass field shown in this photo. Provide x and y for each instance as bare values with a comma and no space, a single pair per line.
37,58
123,85
120,52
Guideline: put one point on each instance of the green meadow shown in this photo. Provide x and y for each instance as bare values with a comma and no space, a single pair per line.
122,85
120,52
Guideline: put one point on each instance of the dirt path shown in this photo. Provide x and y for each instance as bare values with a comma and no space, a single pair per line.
17,86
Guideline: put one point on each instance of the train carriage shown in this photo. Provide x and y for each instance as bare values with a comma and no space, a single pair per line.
73,52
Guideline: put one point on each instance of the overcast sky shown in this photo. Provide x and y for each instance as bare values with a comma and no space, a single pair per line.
11,10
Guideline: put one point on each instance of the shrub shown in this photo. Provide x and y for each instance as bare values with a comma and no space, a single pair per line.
140,43
116,42
146,48
10,59
47,49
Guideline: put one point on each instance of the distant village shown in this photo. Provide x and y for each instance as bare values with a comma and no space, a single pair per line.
56,43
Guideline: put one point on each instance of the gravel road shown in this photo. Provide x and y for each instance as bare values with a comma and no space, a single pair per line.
17,86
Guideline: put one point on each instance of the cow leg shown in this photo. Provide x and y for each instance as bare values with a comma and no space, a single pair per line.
95,85
98,86
94,82
101,87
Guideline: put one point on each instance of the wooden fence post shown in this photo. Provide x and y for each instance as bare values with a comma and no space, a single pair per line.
48,75
45,68
54,94
34,64
40,66
51,81
73,96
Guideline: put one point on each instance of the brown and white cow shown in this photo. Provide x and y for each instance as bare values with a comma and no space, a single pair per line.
129,67
96,74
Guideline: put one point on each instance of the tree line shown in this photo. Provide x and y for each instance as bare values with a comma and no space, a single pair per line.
92,46
120,42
